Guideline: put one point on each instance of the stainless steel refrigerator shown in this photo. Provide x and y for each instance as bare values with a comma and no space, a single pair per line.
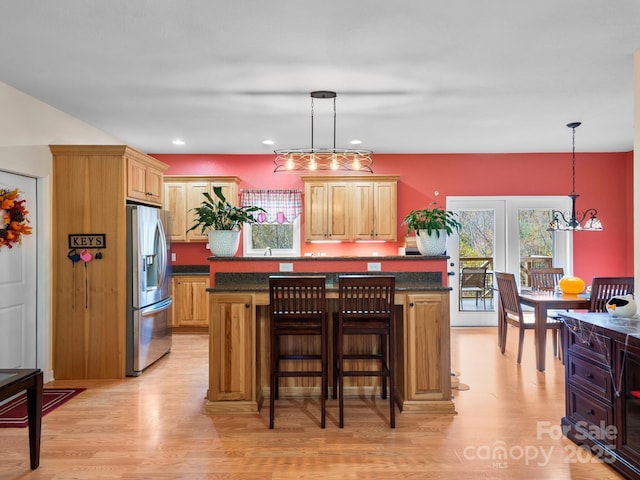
148,287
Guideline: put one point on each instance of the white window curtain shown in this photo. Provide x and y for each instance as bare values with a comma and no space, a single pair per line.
281,206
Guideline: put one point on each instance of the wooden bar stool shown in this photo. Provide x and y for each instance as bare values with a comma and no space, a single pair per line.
365,307
297,306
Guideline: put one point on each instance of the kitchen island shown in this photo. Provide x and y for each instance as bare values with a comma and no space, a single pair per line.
239,330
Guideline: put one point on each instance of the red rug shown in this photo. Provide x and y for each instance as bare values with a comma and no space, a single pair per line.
13,414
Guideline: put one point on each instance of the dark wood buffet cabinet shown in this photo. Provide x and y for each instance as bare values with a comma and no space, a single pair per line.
602,365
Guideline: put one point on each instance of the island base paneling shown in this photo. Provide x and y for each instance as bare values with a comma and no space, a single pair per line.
239,353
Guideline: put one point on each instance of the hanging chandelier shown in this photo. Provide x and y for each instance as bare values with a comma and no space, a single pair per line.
562,221
313,159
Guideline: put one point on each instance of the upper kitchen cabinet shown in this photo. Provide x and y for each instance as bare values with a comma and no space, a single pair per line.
184,193
144,178
325,210
350,208
374,210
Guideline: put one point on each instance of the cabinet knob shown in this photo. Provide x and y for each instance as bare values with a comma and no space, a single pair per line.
411,304
589,375
246,305
589,412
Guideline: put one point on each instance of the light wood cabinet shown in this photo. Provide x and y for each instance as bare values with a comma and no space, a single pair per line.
184,193
350,208
175,201
190,302
90,190
232,355
426,338
374,210
325,211
144,179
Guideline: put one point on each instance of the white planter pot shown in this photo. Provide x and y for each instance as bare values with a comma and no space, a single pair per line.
431,245
224,243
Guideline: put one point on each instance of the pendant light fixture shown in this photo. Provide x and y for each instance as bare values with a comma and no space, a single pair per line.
562,221
314,159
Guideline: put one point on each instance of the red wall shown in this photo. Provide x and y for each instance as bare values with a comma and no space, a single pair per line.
603,180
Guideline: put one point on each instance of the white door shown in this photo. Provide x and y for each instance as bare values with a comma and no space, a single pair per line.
18,340
504,247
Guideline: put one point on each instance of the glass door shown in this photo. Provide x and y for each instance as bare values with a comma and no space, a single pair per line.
507,234
480,248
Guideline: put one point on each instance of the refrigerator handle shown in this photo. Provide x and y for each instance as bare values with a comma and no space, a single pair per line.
162,254
157,307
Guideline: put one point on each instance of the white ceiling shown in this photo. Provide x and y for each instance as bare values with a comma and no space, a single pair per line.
412,76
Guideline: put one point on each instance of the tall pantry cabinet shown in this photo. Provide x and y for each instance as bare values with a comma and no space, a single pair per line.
91,187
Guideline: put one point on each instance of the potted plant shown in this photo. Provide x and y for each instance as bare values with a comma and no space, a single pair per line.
223,222
432,226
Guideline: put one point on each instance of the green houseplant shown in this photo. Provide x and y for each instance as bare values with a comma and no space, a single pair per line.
223,222
432,226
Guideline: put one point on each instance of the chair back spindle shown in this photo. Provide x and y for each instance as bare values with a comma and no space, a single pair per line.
546,279
603,288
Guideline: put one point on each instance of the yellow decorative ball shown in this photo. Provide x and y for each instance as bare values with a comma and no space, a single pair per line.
571,285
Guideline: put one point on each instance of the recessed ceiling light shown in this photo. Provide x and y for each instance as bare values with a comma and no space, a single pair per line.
355,142
268,142
178,141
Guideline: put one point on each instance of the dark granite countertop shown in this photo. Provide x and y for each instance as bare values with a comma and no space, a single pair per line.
621,326
316,258
237,282
190,270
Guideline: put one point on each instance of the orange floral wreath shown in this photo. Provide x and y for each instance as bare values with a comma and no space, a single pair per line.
13,220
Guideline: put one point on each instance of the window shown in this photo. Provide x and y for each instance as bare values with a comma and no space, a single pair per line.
277,232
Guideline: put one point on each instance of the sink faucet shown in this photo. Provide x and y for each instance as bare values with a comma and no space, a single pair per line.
267,251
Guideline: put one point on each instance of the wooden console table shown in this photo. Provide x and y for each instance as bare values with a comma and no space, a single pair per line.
14,381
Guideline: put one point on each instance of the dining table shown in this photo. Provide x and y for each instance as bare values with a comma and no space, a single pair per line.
542,301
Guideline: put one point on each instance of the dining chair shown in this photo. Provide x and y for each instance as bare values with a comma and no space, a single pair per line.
365,307
511,313
603,288
297,307
474,280
546,279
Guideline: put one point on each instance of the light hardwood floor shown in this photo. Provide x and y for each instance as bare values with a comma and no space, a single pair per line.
152,427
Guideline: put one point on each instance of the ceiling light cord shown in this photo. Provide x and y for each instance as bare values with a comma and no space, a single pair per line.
573,126
312,115
334,123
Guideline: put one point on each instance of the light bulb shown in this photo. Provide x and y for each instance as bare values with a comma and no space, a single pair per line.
356,162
